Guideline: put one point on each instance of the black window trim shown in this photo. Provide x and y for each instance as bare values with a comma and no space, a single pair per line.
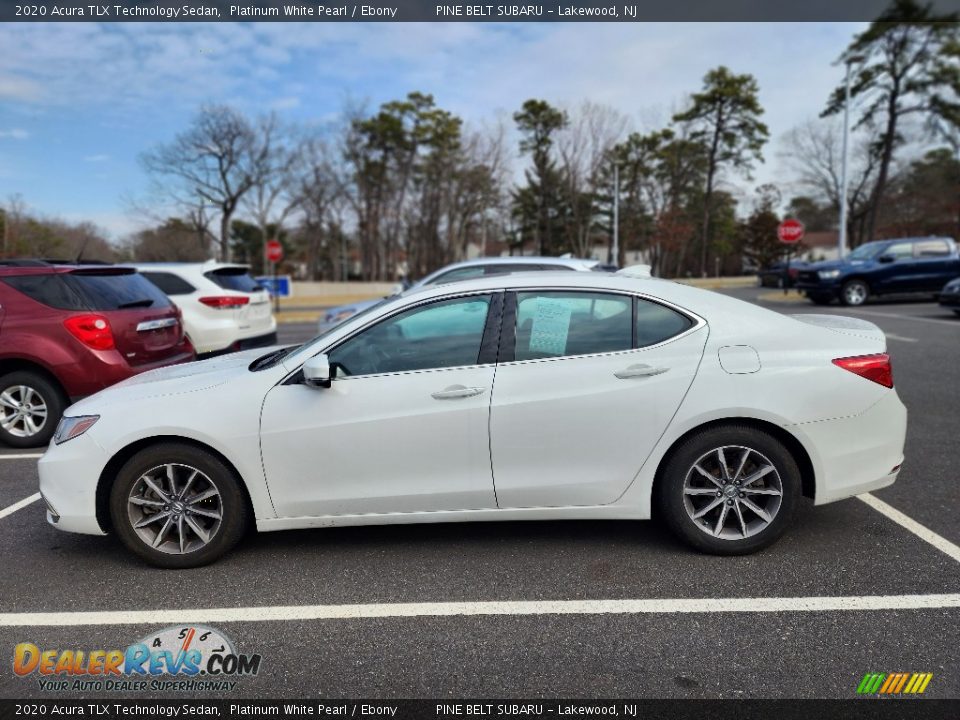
508,326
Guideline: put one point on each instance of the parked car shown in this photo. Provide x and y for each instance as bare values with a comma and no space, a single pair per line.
478,267
713,414
224,309
780,274
67,331
908,265
950,296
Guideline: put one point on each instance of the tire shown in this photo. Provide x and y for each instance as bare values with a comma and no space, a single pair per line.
854,293
179,523
820,299
24,395
682,492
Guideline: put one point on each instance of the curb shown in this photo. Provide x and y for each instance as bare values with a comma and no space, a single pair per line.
777,296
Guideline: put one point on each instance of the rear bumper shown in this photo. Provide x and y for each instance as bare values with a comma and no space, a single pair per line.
101,369
857,454
265,340
226,335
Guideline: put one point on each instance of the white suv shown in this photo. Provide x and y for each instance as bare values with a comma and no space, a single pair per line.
224,309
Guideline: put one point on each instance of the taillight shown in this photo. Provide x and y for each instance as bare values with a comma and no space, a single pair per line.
92,330
225,301
872,367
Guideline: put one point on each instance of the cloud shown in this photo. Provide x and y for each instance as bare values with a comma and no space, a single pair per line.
15,134
96,158
285,103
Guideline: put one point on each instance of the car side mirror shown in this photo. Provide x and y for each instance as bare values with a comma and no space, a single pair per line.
887,258
317,371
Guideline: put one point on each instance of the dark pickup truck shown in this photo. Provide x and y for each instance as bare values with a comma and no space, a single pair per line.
906,265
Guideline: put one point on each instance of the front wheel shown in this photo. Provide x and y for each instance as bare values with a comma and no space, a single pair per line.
178,506
729,490
854,293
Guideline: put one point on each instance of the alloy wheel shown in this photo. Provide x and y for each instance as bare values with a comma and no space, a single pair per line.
855,294
23,411
732,492
175,508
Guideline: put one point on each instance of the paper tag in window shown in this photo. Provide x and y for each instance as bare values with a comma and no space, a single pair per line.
551,325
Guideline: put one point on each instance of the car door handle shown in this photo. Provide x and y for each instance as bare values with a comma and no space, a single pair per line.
457,391
639,371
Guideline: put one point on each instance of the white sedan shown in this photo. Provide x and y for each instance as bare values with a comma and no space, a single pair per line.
530,396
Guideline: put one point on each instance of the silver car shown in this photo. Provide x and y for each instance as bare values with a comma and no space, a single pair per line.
465,270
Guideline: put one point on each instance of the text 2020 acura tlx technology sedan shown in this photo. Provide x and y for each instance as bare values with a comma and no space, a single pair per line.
533,396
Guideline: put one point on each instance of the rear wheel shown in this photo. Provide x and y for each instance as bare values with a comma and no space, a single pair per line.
854,292
178,506
30,408
729,490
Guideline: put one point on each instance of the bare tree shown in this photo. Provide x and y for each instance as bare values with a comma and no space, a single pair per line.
813,152
215,162
276,191
584,146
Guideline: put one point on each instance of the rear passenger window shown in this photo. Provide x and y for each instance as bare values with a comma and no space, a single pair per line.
49,290
557,324
931,248
168,282
656,323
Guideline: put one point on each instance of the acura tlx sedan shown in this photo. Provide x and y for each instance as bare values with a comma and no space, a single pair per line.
516,397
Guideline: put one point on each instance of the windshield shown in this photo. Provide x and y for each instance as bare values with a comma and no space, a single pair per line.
868,251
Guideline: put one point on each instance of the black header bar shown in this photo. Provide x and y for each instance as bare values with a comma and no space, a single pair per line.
435,11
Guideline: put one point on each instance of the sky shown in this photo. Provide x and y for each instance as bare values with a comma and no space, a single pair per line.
79,102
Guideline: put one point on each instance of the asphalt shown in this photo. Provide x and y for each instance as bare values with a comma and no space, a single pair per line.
844,549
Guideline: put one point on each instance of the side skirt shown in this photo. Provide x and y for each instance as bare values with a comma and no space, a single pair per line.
603,512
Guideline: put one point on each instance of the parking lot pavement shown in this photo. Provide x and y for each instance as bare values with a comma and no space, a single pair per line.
846,550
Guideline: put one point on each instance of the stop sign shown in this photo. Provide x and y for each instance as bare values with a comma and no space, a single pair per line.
790,231
274,251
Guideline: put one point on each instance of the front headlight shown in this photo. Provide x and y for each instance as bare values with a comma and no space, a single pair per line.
952,286
828,274
71,427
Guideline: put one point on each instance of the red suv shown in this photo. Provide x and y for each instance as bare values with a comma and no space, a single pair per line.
71,330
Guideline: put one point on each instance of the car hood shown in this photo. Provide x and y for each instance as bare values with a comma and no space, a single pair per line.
174,380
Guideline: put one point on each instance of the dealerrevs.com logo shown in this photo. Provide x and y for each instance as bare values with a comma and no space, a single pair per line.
185,658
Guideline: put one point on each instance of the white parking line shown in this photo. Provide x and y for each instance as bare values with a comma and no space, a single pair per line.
19,505
21,456
508,607
954,323
891,336
938,541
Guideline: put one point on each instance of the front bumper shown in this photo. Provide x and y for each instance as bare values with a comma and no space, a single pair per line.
950,299
857,454
818,287
69,474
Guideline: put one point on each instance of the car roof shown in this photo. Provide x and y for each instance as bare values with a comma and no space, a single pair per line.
521,260
12,268
667,290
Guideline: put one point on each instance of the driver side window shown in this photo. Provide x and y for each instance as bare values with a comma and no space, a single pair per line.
439,335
